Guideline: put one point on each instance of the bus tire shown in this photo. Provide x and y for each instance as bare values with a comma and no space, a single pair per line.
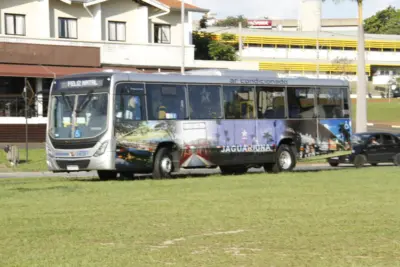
285,160
163,165
360,160
107,175
230,170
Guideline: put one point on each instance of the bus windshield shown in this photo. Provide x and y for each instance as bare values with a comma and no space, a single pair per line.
78,116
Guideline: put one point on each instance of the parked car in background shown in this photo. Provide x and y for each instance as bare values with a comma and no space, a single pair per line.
372,148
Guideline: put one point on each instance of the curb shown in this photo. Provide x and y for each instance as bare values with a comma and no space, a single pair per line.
383,125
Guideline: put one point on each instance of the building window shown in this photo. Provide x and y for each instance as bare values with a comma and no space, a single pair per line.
15,24
116,31
67,28
162,33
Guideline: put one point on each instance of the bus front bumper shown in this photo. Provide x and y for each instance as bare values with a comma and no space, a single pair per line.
75,164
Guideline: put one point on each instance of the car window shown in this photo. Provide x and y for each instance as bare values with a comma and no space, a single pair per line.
388,139
375,140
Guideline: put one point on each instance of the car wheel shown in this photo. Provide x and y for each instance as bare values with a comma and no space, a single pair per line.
396,159
360,160
333,163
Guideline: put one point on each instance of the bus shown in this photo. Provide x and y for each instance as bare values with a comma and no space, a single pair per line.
126,123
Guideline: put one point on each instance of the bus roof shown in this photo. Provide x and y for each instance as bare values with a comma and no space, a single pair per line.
212,76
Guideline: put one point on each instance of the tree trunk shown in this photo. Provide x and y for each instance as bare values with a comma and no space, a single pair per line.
361,116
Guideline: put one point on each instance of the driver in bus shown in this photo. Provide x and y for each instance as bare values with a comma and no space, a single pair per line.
159,107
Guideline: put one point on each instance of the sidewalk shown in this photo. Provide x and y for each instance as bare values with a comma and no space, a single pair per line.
389,125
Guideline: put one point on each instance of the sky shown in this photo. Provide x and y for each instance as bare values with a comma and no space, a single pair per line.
288,9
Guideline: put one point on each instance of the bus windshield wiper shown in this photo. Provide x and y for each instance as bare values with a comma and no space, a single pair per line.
85,102
67,100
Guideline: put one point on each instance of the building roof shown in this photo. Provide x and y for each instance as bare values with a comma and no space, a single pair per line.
176,4
172,4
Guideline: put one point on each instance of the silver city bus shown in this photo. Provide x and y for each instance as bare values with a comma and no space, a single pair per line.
125,123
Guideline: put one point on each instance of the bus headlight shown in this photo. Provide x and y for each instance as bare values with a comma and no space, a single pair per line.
101,149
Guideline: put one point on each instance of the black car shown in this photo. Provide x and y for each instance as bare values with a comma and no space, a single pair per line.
372,148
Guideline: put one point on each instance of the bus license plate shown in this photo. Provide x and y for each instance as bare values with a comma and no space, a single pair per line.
72,168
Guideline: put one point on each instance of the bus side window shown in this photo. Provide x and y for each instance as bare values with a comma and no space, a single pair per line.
239,102
271,103
166,101
301,102
332,103
204,102
129,102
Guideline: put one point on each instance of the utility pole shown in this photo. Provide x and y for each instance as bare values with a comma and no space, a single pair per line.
361,110
318,30
240,41
183,36
26,119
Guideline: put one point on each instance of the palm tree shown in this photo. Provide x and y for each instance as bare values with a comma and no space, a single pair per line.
361,112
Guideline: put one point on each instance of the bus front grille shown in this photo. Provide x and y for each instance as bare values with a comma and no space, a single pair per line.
82,164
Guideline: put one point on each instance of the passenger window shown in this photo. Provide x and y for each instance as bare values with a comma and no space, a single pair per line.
271,103
332,103
301,102
129,102
388,139
166,101
204,102
375,140
239,102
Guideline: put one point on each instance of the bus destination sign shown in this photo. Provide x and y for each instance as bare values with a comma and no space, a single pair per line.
81,83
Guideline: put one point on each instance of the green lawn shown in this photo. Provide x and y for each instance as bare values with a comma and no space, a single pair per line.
383,112
337,218
36,161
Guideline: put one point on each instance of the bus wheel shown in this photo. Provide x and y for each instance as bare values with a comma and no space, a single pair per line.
163,165
107,175
228,170
285,160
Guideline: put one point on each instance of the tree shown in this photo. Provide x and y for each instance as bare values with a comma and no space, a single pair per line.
342,65
201,41
209,49
203,22
361,114
386,21
232,22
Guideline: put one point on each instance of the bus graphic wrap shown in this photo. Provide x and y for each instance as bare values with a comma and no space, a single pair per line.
212,143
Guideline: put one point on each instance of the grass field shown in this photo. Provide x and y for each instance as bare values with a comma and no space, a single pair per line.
336,218
36,161
380,110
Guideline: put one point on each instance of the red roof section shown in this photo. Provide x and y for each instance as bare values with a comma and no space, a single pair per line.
177,4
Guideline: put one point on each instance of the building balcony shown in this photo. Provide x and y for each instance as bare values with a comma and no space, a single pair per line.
24,50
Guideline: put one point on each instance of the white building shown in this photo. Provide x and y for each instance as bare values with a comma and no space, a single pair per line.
43,39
